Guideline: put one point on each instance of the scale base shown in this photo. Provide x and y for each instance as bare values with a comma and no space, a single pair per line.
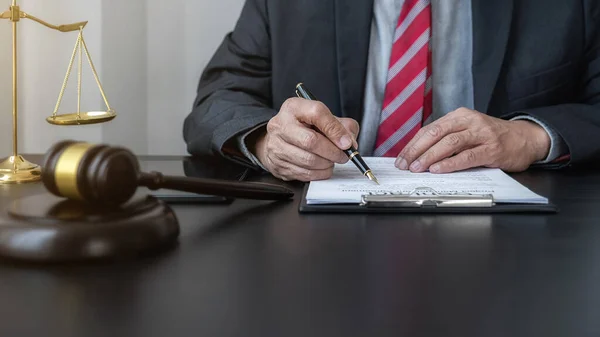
16,170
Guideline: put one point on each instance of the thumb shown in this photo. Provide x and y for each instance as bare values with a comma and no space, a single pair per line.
352,126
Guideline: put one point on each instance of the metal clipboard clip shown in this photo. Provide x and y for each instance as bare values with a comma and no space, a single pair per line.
425,197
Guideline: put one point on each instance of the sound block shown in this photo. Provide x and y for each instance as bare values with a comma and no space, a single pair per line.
44,228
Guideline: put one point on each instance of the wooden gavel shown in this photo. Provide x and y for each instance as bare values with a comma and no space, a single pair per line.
109,176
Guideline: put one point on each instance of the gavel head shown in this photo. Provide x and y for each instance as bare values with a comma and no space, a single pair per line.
93,173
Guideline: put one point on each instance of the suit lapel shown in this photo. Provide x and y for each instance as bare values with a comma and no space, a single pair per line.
353,28
491,28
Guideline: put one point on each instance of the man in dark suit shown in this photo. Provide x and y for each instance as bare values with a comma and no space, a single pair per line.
442,85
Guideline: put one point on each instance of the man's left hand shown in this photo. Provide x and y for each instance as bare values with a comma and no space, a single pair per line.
466,138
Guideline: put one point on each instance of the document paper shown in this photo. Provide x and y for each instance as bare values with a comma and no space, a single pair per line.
348,185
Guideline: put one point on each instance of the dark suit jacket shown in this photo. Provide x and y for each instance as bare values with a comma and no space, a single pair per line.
541,57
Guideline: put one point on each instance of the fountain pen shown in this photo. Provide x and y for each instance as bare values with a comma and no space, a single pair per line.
352,153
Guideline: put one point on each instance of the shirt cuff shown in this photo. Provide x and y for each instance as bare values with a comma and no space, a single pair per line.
241,141
558,147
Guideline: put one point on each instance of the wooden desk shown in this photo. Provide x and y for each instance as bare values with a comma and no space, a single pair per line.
260,269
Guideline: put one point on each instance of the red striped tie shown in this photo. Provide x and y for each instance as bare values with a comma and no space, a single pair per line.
407,100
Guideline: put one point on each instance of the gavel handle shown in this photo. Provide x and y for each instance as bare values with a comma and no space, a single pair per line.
232,189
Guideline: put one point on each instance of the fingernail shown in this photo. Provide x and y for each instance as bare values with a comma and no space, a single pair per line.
345,142
415,166
435,168
401,163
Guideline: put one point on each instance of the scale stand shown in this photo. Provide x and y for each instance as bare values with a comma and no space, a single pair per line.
16,169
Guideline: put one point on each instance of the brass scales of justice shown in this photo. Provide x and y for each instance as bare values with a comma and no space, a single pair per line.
16,169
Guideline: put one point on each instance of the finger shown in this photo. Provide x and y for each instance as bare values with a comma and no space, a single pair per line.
420,134
466,159
290,171
428,136
352,126
299,157
312,141
446,147
317,114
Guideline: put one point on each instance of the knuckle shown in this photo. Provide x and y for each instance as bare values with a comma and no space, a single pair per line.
477,137
281,173
428,156
269,162
332,128
275,165
273,125
452,140
416,138
411,155
275,152
287,106
309,140
269,146
309,159
470,156
284,177
477,117
459,112
410,152
276,171
465,111
464,120
317,109
435,131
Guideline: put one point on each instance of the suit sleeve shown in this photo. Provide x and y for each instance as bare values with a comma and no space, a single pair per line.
578,123
558,147
234,92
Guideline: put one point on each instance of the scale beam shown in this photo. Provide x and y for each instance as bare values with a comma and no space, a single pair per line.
62,28
15,13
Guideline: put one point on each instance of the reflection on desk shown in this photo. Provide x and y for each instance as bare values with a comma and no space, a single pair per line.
197,167
255,268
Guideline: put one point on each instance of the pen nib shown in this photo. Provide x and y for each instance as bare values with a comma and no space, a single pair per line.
371,177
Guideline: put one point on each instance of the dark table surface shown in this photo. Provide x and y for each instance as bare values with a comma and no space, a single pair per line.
255,268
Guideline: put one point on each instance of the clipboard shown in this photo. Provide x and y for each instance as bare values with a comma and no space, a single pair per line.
424,200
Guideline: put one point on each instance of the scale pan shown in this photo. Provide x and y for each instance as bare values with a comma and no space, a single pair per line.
92,117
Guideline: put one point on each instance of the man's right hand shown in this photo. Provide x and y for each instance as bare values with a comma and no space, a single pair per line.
293,149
